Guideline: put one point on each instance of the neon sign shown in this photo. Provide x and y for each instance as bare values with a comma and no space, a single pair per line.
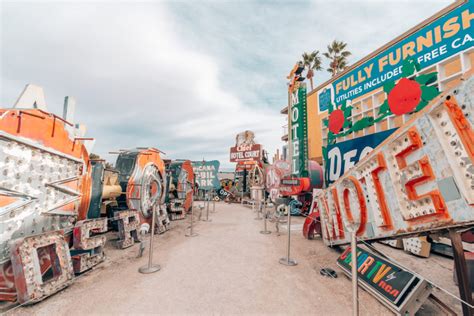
420,179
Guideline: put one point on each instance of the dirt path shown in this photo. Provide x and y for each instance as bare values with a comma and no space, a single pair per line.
230,268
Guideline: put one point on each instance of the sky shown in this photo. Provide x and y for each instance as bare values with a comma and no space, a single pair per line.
183,76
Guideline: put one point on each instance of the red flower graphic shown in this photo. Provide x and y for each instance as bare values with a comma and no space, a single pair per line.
404,97
336,121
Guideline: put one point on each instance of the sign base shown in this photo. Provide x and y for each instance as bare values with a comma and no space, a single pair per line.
288,262
147,270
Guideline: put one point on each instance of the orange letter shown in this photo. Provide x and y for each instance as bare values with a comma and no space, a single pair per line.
370,172
419,172
351,185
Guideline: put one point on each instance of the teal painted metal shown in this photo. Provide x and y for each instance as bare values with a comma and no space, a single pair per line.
98,167
206,174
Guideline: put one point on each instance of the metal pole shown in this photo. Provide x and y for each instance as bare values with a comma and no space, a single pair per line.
213,202
258,205
207,210
265,231
192,233
244,182
355,299
288,261
150,268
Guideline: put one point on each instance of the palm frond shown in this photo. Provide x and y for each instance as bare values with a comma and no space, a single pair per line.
346,53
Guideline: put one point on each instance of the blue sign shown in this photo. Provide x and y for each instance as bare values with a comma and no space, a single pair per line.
437,41
342,156
205,173
324,100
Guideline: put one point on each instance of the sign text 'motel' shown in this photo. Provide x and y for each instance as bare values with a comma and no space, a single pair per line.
299,132
421,178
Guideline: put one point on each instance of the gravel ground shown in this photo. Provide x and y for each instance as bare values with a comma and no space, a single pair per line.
230,268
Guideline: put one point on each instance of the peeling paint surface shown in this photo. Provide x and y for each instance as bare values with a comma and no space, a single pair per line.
44,182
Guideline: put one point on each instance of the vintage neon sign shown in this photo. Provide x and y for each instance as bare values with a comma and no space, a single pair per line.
420,179
299,133
245,153
89,249
438,40
205,173
390,283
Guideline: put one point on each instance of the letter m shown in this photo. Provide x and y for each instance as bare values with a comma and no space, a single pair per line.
294,98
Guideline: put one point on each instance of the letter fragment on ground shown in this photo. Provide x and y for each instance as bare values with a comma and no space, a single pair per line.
89,250
128,227
41,266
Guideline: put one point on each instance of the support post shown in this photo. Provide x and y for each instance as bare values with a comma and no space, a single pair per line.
244,182
257,207
461,271
213,202
191,232
207,209
355,294
265,231
258,202
288,261
150,267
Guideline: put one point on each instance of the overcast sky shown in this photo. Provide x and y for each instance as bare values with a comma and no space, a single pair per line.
183,76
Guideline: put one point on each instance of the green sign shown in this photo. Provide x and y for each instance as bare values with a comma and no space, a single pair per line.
299,133
205,174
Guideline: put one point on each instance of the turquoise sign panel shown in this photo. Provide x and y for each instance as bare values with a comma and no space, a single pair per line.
205,173
437,41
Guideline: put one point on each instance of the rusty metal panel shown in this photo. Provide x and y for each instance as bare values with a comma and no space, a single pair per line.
420,179
142,176
180,188
31,284
7,282
37,187
44,186
44,176
88,250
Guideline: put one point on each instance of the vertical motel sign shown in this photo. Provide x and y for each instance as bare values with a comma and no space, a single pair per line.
299,132
420,179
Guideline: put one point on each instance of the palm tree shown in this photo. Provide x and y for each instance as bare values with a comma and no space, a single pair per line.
338,57
312,62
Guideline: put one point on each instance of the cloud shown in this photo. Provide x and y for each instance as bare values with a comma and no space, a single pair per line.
182,76
135,82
